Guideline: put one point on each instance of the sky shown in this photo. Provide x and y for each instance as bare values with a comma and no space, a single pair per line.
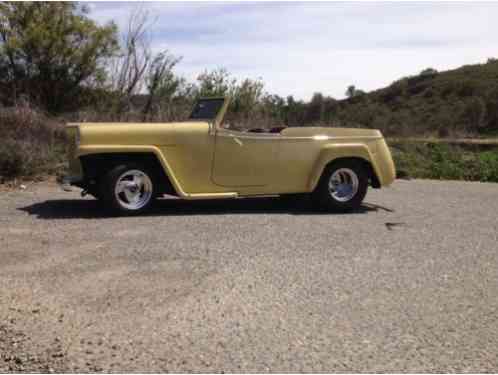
302,48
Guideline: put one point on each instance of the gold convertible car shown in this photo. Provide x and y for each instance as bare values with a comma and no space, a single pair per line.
127,165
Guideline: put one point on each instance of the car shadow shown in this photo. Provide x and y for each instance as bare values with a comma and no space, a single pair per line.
90,208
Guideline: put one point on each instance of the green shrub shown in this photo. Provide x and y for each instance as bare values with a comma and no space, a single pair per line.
445,161
445,164
488,166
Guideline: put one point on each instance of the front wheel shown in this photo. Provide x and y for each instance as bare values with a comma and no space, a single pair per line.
128,189
342,187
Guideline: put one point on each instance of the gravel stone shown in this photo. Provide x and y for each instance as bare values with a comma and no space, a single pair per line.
408,283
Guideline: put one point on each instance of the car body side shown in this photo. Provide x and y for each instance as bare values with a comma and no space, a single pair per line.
201,159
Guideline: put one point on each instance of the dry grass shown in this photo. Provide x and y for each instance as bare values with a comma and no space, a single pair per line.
32,143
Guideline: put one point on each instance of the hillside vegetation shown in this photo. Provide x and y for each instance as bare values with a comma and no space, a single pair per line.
57,65
458,102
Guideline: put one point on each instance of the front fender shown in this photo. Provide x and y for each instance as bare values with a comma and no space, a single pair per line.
110,149
332,152
99,149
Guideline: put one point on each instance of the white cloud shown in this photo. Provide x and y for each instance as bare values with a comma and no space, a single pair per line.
301,48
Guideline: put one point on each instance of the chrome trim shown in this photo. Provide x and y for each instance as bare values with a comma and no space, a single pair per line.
276,136
211,128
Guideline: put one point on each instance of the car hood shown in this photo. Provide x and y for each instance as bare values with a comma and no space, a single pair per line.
119,133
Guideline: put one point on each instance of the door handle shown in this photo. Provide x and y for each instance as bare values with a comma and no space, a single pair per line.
238,141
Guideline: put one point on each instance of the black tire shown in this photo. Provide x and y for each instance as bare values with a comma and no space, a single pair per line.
351,169
114,203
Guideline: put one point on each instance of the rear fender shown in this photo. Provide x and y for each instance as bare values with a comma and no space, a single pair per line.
334,152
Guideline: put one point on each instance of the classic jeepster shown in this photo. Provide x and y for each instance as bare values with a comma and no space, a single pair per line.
127,165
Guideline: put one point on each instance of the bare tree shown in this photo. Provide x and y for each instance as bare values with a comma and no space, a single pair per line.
129,68
161,81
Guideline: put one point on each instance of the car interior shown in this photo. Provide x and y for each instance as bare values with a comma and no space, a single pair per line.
208,109
274,130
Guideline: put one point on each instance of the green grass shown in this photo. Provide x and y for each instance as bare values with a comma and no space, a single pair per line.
446,161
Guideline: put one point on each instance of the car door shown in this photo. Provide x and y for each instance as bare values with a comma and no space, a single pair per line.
244,159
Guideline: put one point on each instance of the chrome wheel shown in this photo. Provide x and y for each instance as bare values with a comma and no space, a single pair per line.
133,189
343,184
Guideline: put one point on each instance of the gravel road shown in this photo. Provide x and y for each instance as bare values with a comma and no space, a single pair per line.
407,283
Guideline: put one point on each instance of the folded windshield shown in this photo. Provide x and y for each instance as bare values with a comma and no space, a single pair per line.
207,109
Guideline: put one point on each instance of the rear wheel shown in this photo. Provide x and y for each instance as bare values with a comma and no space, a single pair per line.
342,187
128,189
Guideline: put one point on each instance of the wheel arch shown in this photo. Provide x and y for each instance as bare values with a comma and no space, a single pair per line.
95,165
335,154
